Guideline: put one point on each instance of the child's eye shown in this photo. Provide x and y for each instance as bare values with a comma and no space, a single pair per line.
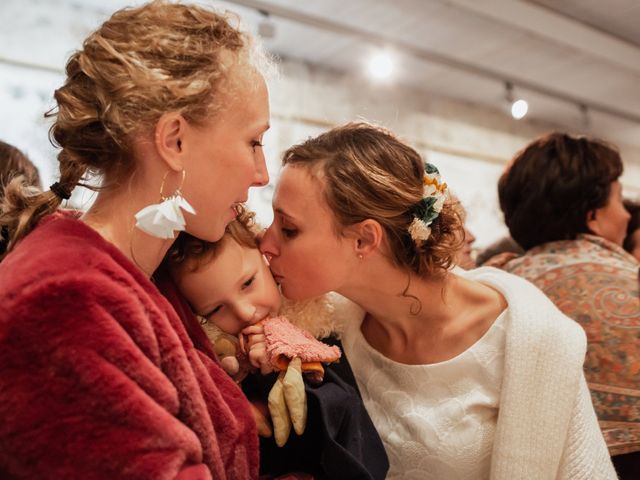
248,282
289,232
255,144
210,314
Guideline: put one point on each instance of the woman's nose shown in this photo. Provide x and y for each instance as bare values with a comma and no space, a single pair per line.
261,177
469,237
268,243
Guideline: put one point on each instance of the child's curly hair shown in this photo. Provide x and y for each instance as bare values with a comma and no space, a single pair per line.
190,253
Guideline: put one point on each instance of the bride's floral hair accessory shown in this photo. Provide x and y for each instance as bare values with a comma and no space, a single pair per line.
427,210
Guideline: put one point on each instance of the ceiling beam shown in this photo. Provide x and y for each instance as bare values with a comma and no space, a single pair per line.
322,23
558,28
30,65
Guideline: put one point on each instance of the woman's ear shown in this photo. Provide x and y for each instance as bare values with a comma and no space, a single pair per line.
366,236
169,133
592,222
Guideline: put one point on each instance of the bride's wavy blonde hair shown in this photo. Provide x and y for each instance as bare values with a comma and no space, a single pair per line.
140,64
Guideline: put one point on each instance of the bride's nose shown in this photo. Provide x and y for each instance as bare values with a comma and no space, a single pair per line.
269,244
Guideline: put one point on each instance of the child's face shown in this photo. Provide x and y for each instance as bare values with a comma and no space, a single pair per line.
234,290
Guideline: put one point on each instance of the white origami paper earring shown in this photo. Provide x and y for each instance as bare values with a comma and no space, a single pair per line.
163,219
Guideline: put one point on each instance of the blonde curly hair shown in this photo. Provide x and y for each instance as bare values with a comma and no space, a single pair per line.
141,63
189,253
367,172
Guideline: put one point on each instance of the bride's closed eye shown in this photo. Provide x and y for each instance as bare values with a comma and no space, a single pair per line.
289,232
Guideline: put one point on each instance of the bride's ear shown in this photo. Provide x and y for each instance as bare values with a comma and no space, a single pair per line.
366,237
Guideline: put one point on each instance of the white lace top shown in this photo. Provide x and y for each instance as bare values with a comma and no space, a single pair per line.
437,421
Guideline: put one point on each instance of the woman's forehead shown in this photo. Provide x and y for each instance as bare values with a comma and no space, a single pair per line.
298,192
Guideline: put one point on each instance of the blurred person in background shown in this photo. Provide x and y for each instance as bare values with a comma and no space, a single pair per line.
499,253
465,256
13,163
465,259
632,240
562,202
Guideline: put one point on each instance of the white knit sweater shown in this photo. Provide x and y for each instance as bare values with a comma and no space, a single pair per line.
546,428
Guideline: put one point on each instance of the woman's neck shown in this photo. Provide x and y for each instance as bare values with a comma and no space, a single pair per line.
113,216
401,301
416,321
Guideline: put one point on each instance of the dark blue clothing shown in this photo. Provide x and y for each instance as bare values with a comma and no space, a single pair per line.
339,441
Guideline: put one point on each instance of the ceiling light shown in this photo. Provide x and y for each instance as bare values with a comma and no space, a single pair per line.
519,107
266,28
381,66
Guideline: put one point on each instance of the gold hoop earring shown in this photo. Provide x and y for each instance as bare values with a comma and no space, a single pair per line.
164,219
177,190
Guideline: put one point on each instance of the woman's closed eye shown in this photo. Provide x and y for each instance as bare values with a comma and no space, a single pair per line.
255,144
289,232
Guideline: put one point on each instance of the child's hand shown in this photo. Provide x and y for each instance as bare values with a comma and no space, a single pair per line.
260,412
256,348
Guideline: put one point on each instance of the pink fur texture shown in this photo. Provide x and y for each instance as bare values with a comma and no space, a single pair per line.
283,338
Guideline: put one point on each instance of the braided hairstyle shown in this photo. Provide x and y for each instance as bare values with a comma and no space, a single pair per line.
141,63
